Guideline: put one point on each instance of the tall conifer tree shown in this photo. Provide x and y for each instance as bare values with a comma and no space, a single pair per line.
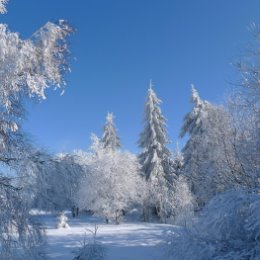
156,159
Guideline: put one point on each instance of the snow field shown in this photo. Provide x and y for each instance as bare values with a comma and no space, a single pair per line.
128,241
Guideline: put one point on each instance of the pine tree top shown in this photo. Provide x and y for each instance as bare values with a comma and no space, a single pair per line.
110,118
154,133
110,139
195,98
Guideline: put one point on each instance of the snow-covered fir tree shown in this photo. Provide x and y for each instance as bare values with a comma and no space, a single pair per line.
156,158
110,139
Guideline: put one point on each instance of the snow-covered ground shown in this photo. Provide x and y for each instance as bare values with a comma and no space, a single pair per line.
128,241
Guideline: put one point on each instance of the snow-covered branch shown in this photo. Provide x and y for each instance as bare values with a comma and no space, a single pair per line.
3,6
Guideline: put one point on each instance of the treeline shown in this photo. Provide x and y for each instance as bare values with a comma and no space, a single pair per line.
110,181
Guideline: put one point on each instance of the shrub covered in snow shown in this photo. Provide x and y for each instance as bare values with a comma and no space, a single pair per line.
62,221
91,250
228,229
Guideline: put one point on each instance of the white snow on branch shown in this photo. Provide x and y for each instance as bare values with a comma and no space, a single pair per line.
3,6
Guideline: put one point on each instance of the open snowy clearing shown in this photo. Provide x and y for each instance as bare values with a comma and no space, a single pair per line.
128,241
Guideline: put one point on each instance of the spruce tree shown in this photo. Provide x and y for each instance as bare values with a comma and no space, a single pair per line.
156,159
110,139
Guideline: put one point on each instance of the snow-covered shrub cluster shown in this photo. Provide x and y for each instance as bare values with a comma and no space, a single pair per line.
62,221
228,228
92,249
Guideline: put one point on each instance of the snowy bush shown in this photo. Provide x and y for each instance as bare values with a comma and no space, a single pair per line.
228,229
91,250
62,221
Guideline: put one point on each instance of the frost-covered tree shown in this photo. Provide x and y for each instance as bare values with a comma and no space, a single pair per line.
112,182
208,153
28,67
156,158
110,139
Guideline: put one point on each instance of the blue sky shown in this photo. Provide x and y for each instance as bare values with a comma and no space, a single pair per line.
118,46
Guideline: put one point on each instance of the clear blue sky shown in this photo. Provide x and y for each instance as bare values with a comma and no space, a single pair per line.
119,45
